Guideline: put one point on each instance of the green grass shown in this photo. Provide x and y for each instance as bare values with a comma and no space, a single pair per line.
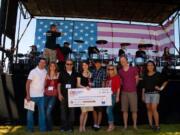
142,130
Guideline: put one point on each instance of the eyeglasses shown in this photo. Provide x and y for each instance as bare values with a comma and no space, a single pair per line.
111,69
69,64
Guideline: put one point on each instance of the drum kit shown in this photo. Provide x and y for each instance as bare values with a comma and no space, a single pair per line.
82,55
31,58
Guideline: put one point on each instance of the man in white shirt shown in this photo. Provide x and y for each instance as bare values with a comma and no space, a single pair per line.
35,92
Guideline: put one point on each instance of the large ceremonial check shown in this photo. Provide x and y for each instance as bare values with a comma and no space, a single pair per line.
82,97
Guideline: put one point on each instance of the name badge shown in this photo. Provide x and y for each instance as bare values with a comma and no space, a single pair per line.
50,88
68,86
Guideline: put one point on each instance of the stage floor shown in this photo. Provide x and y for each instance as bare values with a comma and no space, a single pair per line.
168,129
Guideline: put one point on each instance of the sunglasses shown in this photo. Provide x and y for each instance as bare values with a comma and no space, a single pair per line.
69,64
111,69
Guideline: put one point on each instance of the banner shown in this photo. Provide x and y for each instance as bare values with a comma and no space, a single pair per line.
82,97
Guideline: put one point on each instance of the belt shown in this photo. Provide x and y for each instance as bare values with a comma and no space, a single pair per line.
153,92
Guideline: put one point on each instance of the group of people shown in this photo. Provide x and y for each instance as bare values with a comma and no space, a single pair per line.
46,84
45,87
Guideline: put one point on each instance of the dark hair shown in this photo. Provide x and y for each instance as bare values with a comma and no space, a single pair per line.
41,58
122,57
97,61
152,62
85,61
164,53
66,43
52,25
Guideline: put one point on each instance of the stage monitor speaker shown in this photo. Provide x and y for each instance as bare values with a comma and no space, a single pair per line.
8,17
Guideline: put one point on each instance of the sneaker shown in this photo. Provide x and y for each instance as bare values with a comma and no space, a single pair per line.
110,128
157,129
62,130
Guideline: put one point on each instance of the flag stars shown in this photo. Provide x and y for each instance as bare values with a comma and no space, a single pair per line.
61,23
81,30
41,23
38,46
76,27
82,24
66,27
92,31
45,26
75,34
39,37
39,29
86,34
86,27
92,25
91,38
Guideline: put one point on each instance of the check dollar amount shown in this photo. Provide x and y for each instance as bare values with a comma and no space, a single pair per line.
82,97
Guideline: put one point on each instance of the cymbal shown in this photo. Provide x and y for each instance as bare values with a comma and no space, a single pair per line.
155,51
103,50
19,55
148,45
100,42
125,44
79,41
82,52
32,46
35,53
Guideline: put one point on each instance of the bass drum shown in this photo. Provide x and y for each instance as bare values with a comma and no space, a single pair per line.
95,56
106,56
72,56
139,61
84,57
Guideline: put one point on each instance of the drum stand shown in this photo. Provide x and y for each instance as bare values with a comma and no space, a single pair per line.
78,55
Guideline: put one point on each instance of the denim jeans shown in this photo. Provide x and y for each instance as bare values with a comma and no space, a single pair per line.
49,105
67,115
109,110
39,101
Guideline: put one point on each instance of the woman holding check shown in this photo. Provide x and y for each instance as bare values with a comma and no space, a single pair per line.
83,81
153,83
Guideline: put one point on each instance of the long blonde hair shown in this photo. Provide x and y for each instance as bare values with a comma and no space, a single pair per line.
115,70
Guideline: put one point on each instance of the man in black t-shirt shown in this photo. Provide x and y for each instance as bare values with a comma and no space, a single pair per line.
68,80
141,51
122,50
50,45
66,50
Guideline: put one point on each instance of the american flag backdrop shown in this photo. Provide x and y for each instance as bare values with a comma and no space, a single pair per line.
114,33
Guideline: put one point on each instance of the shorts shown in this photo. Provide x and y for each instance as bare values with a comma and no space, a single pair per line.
50,55
129,99
151,98
86,109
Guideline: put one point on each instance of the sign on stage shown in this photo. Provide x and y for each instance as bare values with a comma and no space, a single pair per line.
83,97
